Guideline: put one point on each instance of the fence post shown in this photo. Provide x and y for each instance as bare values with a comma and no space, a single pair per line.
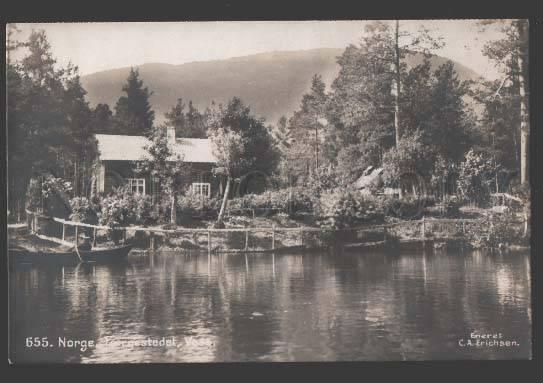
384,234
209,242
273,237
76,234
63,231
526,224
151,240
124,236
94,237
247,239
302,236
423,228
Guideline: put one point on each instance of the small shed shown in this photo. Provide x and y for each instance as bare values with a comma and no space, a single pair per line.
370,180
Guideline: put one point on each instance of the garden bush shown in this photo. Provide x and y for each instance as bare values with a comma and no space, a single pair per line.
451,206
289,200
123,208
493,231
347,208
83,210
193,205
49,195
404,208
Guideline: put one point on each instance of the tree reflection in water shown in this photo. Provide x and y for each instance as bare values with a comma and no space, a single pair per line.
311,307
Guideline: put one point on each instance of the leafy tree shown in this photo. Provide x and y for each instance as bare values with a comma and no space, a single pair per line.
477,174
162,166
133,113
407,164
229,148
242,144
260,151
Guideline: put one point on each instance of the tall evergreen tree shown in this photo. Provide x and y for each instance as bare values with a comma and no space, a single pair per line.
195,122
189,124
102,119
81,142
511,54
306,130
133,113
176,118
48,118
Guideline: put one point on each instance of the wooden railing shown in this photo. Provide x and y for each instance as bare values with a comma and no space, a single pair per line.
301,235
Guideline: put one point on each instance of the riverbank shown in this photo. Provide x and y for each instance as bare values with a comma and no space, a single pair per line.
280,233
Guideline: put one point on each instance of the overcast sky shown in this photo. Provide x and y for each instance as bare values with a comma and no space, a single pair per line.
98,46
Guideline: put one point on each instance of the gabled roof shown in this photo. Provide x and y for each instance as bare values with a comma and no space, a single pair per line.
115,147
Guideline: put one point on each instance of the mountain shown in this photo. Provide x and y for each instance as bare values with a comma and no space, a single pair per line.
271,83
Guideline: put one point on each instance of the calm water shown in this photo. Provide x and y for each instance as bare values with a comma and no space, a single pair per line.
274,308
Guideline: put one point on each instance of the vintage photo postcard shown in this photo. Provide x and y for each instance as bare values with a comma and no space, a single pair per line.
271,191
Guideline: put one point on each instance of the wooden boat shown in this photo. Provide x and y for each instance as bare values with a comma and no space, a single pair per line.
32,249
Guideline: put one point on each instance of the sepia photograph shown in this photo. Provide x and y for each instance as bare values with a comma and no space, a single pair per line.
268,191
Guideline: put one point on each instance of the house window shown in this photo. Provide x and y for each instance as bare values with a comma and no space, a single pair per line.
136,185
202,188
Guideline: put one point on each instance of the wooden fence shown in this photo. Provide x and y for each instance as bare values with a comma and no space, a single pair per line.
250,239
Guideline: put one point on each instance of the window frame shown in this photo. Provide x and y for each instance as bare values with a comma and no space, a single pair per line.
136,183
198,187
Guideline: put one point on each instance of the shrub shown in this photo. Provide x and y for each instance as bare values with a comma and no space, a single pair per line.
123,208
404,208
192,205
289,200
347,208
53,185
451,206
83,210
476,176
49,193
143,212
115,211
494,231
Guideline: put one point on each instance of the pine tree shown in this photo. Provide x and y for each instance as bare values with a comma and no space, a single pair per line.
48,118
307,127
102,119
176,118
82,146
133,113
189,124
195,122
511,53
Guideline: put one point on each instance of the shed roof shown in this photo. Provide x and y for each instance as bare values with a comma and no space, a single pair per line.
371,175
115,147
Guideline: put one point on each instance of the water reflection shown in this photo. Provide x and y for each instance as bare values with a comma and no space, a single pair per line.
275,307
